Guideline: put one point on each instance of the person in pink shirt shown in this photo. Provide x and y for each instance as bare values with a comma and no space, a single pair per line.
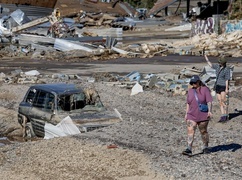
198,94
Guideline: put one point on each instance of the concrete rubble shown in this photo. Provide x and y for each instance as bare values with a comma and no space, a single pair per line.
175,83
99,36
227,44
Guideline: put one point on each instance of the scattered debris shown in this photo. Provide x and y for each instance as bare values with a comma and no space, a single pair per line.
136,89
212,44
112,146
65,128
99,32
177,83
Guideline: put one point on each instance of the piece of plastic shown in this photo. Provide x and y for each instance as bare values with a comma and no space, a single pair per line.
136,89
32,73
64,128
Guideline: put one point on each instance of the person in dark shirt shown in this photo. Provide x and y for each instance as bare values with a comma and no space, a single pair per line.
221,86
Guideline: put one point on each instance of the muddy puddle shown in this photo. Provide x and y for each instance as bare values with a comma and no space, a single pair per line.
15,139
4,141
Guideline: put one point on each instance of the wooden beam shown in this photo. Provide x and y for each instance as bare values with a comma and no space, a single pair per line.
31,24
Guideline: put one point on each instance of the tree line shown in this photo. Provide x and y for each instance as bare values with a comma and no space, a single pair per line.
141,3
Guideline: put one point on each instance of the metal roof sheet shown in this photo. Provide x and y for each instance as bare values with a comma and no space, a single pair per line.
68,7
29,10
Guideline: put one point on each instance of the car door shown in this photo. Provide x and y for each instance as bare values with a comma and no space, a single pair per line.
25,107
42,111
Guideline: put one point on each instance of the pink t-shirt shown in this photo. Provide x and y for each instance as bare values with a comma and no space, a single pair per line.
204,96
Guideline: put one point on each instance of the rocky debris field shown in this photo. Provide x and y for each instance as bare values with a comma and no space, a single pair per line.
147,144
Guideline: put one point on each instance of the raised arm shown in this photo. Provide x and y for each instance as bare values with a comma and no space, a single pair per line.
209,63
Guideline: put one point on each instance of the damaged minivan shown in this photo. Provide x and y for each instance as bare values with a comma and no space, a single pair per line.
51,103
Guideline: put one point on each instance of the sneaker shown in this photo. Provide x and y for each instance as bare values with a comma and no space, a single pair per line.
223,119
206,151
187,152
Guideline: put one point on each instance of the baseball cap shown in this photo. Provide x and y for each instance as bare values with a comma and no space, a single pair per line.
194,79
222,60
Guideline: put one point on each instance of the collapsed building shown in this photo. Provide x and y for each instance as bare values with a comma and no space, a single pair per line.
91,28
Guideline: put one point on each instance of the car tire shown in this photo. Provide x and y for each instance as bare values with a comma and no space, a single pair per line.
29,133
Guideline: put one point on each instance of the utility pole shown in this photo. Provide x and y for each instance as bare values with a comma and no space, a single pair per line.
188,6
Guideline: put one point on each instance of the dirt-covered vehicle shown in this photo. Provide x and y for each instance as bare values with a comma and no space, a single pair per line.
51,103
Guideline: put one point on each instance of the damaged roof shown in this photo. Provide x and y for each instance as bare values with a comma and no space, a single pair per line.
159,5
42,3
68,7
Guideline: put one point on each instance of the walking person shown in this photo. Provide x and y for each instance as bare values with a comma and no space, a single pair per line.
221,86
196,117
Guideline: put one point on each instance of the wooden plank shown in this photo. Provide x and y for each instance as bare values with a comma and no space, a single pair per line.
31,24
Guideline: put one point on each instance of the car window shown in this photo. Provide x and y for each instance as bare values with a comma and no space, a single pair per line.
78,101
44,100
30,96
39,100
49,101
64,103
71,102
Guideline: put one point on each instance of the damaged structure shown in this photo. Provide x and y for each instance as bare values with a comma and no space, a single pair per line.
45,105
77,29
57,30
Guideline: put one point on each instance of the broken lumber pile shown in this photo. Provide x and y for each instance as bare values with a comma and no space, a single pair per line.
227,44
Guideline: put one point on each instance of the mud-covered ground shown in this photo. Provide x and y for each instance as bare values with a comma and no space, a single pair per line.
149,141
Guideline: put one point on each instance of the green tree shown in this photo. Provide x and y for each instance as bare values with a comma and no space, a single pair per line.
234,10
147,3
141,3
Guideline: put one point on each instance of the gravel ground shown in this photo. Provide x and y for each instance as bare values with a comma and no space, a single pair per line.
149,141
